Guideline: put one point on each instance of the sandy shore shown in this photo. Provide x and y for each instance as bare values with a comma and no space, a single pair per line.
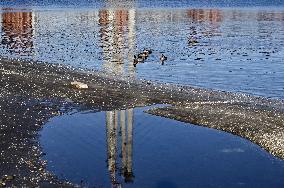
31,93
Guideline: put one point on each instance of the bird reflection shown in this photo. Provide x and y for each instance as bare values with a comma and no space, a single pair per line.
125,128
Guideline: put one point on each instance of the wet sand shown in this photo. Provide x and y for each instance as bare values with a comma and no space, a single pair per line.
32,92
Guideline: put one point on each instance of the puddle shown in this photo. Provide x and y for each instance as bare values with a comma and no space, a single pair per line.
129,148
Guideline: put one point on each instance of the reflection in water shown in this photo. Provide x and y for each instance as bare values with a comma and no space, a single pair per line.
237,48
98,150
214,16
126,144
199,31
17,32
117,38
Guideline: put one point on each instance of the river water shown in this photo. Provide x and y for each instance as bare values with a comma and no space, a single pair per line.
227,45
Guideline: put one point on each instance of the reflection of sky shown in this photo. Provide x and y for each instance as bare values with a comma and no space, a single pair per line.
237,50
99,148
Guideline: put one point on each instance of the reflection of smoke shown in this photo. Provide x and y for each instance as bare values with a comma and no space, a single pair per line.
117,38
126,144
17,28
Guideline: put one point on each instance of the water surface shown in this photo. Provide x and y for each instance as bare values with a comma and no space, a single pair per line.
129,148
53,4
239,47
221,44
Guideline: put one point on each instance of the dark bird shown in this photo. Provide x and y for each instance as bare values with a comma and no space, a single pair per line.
139,59
142,56
163,58
147,52
135,61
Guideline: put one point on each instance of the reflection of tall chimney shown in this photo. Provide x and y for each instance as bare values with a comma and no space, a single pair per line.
108,132
131,41
129,174
116,32
123,141
126,144
111,121
1,20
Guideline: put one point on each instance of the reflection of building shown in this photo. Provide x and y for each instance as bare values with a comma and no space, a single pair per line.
213,16
17,32
201,17
117,37
126,128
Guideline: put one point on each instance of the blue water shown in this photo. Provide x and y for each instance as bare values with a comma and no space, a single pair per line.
240,49
130,148
240,43
140,3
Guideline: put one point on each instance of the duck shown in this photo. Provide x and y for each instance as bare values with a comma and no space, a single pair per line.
163,58
192,42
147,52
142,56
135,61
138,59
